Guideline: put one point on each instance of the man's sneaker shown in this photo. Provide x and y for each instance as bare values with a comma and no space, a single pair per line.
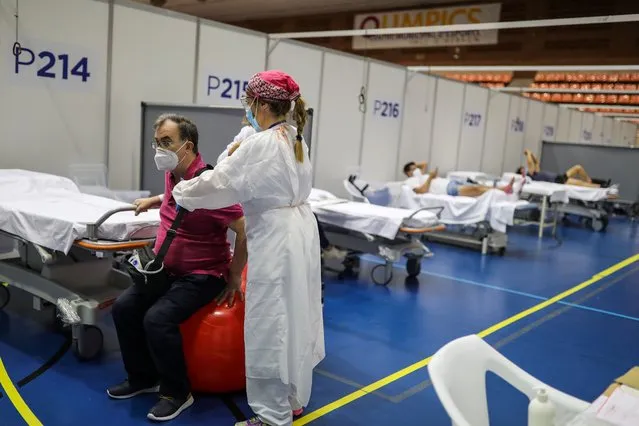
168,408
126,390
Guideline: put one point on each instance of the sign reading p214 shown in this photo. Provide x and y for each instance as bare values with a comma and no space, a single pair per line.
50,65
386,109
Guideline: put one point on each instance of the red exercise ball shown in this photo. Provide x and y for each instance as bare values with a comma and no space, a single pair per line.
213,341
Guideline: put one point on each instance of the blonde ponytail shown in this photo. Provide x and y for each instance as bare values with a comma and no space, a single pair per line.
300,117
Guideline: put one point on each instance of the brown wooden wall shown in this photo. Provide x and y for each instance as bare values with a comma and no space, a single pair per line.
580,45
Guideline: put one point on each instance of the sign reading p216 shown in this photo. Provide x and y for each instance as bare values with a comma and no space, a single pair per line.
50,65
386,109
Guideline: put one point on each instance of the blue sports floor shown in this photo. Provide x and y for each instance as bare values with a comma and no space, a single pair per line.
578,345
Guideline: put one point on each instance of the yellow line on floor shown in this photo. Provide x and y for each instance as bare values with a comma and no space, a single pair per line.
15,398
320,412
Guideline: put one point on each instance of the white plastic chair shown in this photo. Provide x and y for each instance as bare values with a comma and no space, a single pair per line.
458,372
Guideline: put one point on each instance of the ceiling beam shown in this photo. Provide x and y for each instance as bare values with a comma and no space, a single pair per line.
538,23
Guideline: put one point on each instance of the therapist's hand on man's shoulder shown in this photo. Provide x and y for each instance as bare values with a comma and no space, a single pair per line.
144,204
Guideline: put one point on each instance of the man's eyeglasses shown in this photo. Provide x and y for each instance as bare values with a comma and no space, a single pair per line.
164,144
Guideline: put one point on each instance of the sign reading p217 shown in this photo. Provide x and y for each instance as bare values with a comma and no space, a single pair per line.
386,109
50,65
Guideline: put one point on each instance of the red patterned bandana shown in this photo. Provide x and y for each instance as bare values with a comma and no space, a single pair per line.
273,86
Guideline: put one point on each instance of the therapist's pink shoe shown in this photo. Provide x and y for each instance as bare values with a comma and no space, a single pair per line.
297,413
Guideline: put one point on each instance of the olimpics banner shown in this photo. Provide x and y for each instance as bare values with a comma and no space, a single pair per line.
428,17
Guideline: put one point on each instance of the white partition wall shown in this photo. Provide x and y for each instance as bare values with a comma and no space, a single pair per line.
449,100
142,71
419,101
533,133
550,123
563,125
340,126
223,73
587,128
383,121
607,130
304,64
52,96
617,135
629,133
492,159
471,141
514,149
597,129
574,133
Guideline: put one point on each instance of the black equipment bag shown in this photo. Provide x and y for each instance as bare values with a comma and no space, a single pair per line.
143,265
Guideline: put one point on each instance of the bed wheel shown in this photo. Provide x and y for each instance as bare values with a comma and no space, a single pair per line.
413,266
599,225
385,279
88,345
633,211
5,296
501,251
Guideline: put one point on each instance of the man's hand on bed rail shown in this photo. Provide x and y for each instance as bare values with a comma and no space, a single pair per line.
144,204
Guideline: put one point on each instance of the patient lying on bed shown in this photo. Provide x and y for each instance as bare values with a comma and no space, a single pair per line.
576,175
437,185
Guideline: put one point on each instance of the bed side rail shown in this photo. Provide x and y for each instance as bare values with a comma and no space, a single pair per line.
92,228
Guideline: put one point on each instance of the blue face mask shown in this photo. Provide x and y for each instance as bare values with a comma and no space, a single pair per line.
251,119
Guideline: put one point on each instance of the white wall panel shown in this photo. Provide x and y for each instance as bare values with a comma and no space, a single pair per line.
534,126
383,121
223,72
340,125
497,125
563,127
304,64
597,129
153,61
607,130
514,150
447,126
419,101
617,135
471,142
550,123
574,134
53,95
587,128
629,133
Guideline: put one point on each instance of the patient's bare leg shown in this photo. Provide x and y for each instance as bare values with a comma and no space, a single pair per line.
477,190
579,182
578,172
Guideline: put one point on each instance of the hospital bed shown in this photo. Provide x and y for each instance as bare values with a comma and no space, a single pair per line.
546,198
583,202
66,244
479,223
387,232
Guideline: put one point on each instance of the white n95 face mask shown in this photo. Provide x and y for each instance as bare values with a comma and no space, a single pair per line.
417,173
167,160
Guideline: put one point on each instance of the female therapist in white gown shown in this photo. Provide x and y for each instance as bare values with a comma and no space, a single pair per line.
270,175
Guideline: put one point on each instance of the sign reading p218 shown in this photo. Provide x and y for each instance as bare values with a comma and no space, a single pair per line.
386,109
50,65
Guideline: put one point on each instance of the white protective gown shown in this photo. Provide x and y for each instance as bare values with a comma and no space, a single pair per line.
245,132
284,330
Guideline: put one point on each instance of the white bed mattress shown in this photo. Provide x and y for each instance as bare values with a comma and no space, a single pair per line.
372,219
51,211
494,206
574,192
